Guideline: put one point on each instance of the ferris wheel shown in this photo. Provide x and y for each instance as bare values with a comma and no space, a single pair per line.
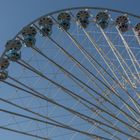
73,74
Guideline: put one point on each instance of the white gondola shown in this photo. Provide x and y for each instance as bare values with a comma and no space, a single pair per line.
46,24
64,20
83,18
13,45
102,19
3,75
137,29
29,34
122,23
4,63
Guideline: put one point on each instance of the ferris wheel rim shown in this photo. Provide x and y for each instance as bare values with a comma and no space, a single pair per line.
68,9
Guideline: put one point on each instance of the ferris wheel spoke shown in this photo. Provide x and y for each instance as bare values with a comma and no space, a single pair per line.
99,50
23,133
71,57
24,108
42,116
82,116
85,99
130,53
94,110
80,66
9,112
92,104
98,112
137,38
93,42
114,50
135,133
51,101
64,70
41,121
118,55
96,46
78,45
104,56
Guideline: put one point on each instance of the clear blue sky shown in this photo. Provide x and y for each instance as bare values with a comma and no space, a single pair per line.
14,14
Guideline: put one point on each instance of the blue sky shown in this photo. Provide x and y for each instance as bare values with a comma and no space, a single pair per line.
14,14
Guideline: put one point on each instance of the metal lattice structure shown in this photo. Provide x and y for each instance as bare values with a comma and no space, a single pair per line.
73,75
